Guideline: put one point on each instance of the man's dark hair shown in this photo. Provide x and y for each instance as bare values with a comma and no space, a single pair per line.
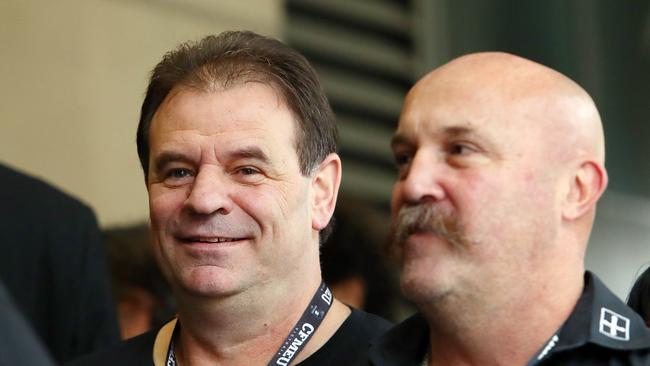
234,58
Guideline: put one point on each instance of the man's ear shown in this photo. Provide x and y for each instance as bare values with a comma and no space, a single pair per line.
325,188
586,186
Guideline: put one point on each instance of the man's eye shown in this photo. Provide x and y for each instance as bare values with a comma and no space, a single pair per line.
461,149
248,171
402,162
178,173
402,159
177,176
248,175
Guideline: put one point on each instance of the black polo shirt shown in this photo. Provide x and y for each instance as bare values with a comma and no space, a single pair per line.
601,330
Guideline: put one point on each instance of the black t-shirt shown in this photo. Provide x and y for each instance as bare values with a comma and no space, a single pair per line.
347,346
350,343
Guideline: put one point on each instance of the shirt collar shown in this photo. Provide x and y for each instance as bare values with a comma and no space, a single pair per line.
600,318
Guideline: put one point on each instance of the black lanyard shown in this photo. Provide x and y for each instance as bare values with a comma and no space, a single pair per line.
297,338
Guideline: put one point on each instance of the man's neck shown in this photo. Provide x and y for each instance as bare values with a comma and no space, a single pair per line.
247,329
509,331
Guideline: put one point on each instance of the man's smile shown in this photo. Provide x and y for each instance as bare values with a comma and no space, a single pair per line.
210,240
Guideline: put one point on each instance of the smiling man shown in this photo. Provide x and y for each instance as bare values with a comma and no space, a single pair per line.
500,165
238,146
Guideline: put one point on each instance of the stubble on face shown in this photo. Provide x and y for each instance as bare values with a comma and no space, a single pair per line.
420,281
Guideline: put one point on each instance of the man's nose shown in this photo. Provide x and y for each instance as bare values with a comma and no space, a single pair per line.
424,179
209,193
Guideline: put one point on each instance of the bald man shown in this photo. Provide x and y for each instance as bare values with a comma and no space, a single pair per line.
500,165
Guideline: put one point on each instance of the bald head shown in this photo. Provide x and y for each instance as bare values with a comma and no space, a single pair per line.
555,106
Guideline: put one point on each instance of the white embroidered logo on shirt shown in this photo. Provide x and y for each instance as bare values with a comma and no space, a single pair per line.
614,325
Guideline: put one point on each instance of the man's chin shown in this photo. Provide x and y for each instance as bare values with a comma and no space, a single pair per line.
208,290
422,289
205,283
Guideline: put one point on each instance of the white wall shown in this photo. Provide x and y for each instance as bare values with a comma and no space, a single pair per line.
72,78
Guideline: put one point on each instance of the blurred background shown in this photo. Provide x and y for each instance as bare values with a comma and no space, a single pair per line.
73,74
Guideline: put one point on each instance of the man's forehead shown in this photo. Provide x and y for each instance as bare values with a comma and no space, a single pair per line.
224,109
445,107
441,107
412,131
261,91
248,114
484,119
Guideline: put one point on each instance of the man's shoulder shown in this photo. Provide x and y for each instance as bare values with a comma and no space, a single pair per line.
601,330
134,351
596,355
351,341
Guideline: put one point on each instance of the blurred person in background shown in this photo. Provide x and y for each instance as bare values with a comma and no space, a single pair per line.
352,262
639,297
144,300
54,266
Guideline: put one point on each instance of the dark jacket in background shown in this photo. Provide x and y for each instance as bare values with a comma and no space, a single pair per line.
53,264
19,344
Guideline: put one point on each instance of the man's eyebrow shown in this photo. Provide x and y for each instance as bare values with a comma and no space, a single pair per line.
400,139
455,131
450,131
166,157
249,152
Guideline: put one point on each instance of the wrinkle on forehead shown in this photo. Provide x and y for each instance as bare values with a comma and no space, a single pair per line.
538,102
242,120
192,120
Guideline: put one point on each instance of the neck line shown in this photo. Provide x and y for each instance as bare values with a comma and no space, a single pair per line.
237,330
495,335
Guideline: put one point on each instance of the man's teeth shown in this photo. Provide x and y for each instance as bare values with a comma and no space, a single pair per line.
214,240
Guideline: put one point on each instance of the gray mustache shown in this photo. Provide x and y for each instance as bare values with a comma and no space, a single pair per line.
427,218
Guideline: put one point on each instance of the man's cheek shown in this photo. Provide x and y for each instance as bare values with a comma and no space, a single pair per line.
163,204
